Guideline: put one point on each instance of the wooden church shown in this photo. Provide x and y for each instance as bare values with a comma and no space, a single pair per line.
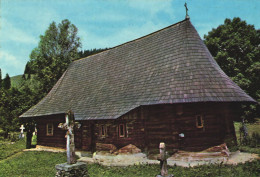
162,87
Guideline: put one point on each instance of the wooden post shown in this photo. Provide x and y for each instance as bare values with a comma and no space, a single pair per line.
163,161
70,125
70,140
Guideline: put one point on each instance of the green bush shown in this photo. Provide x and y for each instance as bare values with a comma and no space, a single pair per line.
252,141
255,140
12,136
249,149
2,133
231,143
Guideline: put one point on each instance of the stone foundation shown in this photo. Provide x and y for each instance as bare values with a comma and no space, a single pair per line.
69,170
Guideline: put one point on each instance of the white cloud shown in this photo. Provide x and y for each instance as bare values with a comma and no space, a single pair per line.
153,6
111,17
10,32
91,40
9,62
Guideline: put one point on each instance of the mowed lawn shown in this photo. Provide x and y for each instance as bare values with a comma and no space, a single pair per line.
251,127
27,164
8,148
31,164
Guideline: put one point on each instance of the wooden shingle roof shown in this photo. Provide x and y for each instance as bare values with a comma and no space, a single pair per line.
169,66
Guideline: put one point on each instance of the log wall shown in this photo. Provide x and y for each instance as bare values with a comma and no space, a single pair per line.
134,125
58,139
164,123
147,126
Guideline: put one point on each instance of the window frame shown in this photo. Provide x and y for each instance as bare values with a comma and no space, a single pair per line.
103,127
201,117
119,131
48,125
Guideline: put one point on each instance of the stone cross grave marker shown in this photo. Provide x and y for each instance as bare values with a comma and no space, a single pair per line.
21,133
70,125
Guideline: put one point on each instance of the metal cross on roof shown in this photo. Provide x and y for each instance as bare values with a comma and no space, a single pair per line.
187,16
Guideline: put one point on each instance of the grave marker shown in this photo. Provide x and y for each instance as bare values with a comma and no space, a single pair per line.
21,133
72,167
70,125
163,161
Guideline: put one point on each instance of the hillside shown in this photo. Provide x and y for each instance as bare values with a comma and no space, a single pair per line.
17,81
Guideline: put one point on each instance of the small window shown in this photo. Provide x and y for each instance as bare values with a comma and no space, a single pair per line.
49,129
199,121
121,130
103,130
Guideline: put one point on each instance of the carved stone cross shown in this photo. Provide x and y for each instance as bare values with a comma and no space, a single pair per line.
21,133
70,125
22,128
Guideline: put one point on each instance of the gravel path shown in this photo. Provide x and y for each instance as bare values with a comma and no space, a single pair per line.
108,159
140,158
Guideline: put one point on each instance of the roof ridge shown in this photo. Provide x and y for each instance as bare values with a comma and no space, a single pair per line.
134,40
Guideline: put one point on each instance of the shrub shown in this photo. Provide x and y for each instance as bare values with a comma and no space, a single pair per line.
255,140
252,141
231,143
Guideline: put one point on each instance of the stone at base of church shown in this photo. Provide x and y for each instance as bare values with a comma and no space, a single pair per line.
165,176
69,170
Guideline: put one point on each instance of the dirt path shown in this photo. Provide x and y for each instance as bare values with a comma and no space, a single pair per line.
140,158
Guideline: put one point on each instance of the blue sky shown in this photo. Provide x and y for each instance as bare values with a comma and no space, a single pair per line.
106,23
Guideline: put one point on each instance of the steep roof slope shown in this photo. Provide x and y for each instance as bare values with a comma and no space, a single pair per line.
171,65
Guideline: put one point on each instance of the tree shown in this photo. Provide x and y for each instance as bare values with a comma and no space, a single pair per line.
235,45
7,82
56,50
13,103
9,110
87,53
0,78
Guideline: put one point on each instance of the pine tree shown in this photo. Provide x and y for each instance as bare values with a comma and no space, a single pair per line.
7,82
1,80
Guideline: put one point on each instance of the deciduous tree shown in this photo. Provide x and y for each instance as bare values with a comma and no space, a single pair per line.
235,45
56,49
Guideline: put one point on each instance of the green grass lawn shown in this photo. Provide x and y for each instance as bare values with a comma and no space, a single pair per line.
241,170
31,164
8,148
252,127
43,164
